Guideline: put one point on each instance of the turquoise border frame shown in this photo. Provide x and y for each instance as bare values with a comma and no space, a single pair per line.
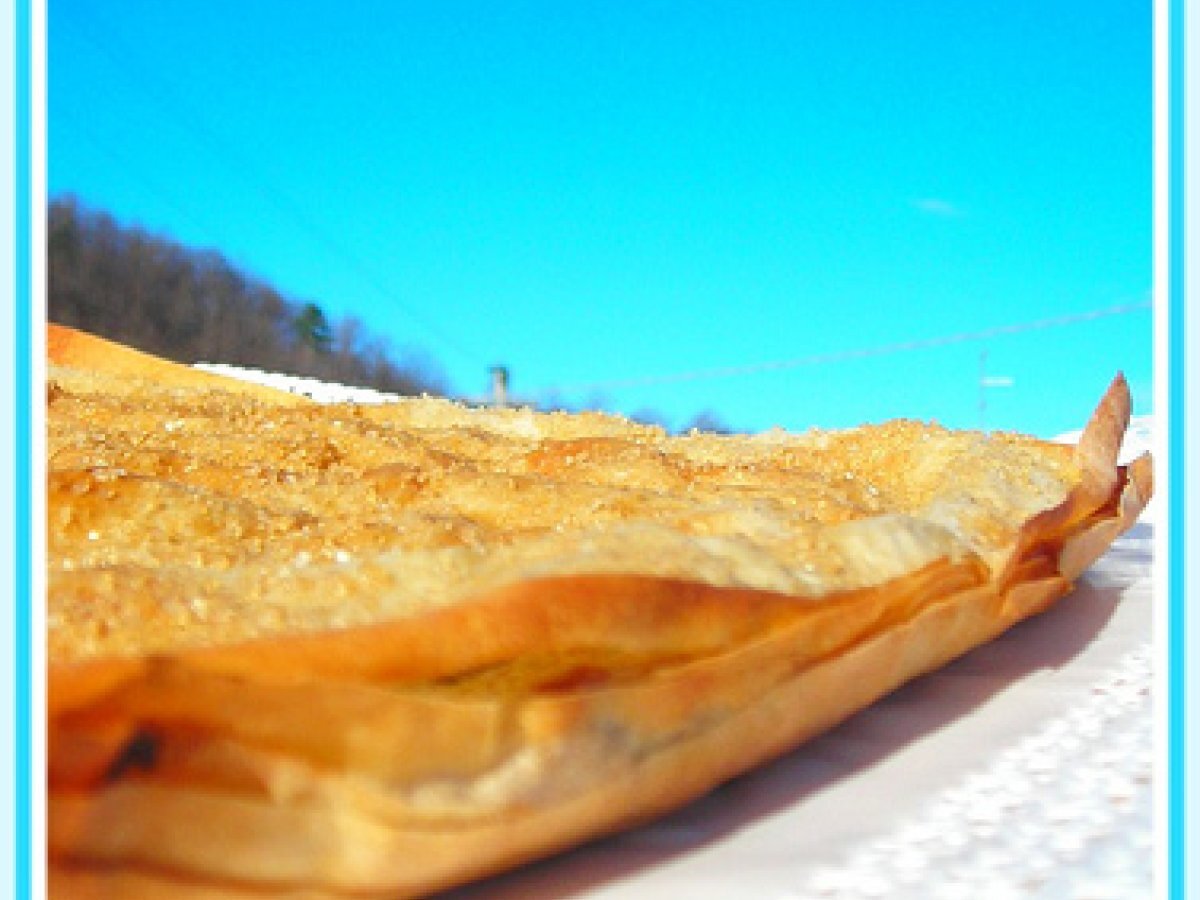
1177,817
1177,704
22,434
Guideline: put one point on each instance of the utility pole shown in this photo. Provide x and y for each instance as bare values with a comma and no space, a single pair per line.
988,381
499,386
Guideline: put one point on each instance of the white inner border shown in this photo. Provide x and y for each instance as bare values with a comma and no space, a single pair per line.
1162,189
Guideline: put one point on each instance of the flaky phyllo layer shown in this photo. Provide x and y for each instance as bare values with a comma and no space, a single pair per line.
387,649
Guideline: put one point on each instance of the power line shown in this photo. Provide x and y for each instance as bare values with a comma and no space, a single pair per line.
120,159
122,60
817,359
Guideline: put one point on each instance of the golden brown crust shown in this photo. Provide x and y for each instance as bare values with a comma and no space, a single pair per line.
202,520
790,712
79,351
515,631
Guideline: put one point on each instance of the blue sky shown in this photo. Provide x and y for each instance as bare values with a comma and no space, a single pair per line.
596,194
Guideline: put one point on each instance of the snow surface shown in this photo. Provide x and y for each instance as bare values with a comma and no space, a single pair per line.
321,391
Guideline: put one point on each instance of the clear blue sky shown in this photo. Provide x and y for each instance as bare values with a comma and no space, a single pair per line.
597,192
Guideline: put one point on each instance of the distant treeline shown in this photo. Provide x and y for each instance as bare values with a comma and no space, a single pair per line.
150,292
190,305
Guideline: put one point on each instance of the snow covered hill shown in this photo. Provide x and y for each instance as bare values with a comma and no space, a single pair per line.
321,391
